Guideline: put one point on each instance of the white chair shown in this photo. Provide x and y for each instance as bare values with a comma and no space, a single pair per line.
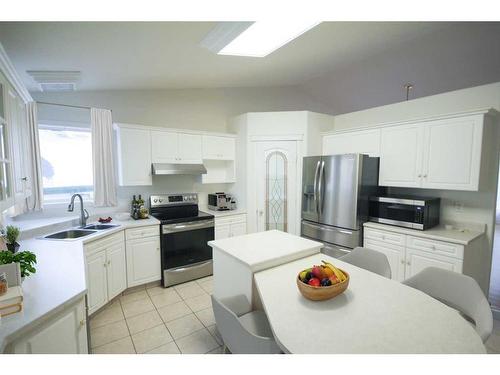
245,333
458,291
370,260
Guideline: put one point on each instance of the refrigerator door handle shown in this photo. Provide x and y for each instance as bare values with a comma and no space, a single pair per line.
316,186
320,188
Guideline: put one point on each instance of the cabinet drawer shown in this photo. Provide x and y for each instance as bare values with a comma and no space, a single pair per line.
142,232
103,243
385,237
436,247
226,220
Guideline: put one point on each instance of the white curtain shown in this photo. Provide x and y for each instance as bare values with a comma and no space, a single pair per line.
36,199
102,158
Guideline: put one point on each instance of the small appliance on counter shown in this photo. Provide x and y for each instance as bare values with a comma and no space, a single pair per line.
221,202
405,211
139,211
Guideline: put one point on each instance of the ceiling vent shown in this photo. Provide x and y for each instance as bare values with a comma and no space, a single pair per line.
47,80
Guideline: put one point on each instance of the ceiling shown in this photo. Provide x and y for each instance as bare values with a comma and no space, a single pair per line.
168,55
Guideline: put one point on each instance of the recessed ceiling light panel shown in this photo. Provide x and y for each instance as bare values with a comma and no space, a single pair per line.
263,37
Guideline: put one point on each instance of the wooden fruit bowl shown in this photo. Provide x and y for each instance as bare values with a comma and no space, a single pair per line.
321,293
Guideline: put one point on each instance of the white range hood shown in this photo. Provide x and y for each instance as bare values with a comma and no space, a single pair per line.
183,169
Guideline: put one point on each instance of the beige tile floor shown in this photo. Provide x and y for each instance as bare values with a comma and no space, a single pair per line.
155,320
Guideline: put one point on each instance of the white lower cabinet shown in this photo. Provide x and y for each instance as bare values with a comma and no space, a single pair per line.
143,255
105,270
230,226
408,255
66,333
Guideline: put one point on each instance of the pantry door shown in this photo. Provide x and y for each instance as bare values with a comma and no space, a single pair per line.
276,190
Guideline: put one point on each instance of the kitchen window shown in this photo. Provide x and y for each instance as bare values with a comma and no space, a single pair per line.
66,153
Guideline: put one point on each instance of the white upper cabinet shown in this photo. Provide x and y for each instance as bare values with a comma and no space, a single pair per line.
218,148
452,154
171,147
401,149
190,148
134,156
358,142
441,154
163,147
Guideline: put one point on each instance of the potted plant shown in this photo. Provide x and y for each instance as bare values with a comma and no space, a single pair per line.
11,236
26,260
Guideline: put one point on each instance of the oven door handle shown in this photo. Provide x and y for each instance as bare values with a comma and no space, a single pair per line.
190,267
183,227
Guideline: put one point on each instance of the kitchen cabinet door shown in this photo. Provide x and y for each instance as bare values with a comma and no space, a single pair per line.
358,142
238,229
222,231
417,260
218,148
134,157
401,152
190,148
143,261
116,267
65,334
164,147
97,285
452,157
395,255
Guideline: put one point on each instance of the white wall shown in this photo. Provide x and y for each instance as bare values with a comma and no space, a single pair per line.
199,109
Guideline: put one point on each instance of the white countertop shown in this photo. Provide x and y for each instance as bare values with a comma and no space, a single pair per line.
266,249
439,233
238,211
374,315
59,279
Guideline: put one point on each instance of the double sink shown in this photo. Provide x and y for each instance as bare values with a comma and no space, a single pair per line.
71,234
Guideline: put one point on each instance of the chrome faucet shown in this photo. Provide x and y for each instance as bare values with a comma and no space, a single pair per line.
84,215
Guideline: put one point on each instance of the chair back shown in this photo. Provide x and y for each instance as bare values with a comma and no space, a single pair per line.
370,260
458,291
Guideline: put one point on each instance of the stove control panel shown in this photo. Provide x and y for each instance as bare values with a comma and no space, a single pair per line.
173,199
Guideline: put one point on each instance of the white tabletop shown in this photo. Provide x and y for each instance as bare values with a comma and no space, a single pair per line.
374,315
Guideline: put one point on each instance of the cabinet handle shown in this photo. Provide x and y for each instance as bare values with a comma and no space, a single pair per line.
408,263
419,175
109,262
425,176
104,265
82,322
402,261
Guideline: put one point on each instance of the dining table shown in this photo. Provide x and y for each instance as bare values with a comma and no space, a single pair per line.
373,315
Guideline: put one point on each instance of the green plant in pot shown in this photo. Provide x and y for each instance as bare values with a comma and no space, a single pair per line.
26,260
11,236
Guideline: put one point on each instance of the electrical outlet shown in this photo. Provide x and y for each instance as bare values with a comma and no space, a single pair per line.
459,206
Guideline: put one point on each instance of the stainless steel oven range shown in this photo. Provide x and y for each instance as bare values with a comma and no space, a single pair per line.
185,231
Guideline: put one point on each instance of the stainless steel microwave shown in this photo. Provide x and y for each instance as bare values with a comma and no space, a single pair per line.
403,211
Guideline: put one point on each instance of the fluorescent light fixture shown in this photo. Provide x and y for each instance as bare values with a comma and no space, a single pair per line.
263,37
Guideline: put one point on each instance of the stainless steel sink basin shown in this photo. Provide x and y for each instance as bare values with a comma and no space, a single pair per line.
100,226
70,234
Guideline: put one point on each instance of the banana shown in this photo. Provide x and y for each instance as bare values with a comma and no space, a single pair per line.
338,273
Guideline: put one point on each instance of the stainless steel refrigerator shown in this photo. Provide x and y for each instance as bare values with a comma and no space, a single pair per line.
335,192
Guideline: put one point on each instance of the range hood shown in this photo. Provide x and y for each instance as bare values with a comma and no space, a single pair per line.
170,168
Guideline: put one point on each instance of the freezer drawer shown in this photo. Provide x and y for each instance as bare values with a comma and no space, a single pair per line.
333,235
